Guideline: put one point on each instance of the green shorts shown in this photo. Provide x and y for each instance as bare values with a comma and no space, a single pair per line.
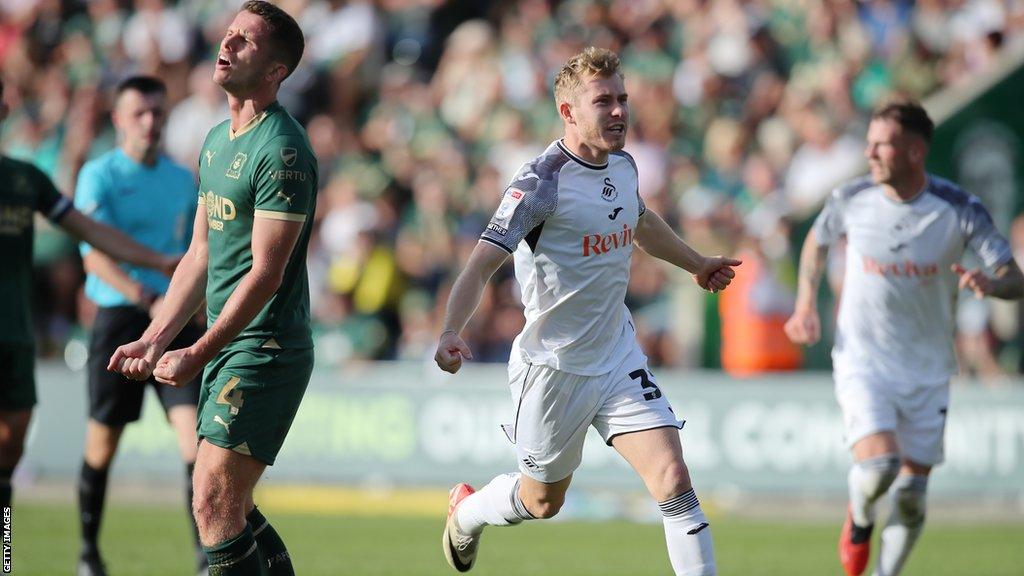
17,376
250,396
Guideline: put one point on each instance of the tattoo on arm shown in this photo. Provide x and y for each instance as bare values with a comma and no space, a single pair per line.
813,257
1008,282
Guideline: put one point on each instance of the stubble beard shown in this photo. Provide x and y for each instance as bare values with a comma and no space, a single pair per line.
594,137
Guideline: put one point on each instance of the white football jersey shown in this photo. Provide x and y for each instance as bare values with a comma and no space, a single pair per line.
896,312
570,225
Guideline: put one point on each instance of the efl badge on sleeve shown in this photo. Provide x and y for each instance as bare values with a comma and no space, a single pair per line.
503,215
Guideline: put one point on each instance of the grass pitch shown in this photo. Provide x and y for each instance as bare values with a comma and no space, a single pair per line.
140,541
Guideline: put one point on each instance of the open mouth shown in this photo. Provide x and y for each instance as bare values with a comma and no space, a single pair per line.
222,62
617,129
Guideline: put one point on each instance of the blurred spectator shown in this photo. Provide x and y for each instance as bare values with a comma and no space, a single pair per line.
827,157
189,120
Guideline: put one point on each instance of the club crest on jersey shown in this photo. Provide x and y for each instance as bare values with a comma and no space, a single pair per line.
609,192
288,156
235,171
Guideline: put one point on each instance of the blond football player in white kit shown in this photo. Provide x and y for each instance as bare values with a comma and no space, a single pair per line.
570,217
906,231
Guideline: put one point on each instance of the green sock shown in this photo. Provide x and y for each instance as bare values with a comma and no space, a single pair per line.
234,557
274,558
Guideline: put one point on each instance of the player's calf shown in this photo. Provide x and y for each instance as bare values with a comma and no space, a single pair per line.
544,506
236,556
496,504
905,523
218,512
688,535
92,492
867,481
228,540
273,554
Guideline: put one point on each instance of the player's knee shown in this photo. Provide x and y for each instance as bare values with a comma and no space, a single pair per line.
99,458
877,474
546,506
671,481
212,501
909,495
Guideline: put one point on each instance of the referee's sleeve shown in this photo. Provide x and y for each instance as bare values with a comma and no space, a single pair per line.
91,198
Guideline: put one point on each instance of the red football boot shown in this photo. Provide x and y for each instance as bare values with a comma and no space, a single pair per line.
854,546
459,548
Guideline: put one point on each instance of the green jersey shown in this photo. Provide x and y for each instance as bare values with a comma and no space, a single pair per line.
264,170
24,190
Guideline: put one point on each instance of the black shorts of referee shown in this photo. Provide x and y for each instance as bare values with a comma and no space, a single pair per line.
115,400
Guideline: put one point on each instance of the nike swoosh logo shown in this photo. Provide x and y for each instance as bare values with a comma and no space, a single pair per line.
614,213
702,526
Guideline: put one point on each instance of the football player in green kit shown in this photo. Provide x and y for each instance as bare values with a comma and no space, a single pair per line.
25,190
257,192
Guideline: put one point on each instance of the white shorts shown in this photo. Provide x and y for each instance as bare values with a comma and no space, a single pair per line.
553,410
917,416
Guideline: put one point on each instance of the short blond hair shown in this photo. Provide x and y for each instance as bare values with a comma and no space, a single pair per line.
581,67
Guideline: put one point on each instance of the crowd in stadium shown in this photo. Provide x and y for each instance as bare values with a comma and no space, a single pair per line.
745,114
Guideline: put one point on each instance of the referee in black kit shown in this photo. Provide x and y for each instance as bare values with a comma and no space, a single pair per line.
141,192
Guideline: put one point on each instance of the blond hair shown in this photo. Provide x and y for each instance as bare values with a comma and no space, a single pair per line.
580,68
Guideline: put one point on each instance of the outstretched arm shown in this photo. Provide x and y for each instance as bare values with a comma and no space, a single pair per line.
655,237
462,302
115,243
804,326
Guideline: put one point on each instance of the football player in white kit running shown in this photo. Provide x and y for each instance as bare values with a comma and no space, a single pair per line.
570,217
906,232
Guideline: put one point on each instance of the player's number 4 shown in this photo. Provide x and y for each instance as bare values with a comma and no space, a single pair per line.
229,395
646,383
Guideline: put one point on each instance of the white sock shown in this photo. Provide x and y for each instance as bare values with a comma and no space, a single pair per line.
905,523
868,480
496,504
688,536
